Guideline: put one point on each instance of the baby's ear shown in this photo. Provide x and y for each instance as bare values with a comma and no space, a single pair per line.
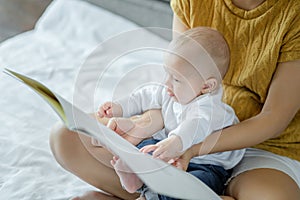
210,85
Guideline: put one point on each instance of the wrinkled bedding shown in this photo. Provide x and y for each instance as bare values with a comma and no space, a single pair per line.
69,51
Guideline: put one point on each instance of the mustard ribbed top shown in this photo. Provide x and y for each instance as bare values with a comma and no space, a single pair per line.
258,40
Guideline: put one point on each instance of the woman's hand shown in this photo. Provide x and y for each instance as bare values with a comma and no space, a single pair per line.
183,161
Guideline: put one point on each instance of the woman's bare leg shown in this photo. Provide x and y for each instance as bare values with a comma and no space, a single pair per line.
75,153
227,198
93,195
266,184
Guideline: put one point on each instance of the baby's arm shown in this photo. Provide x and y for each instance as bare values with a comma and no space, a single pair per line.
146,98
110,109
166,149
189,132
136,128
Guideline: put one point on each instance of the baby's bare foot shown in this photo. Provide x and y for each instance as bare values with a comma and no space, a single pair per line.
130,181
93,195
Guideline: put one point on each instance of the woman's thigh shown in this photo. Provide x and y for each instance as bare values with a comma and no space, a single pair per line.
264,184
92,164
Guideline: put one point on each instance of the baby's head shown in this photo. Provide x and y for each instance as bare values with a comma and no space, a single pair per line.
196,63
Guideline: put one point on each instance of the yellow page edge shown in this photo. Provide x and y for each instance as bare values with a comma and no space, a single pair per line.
42,90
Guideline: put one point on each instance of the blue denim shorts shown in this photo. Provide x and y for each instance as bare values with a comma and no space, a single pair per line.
213,176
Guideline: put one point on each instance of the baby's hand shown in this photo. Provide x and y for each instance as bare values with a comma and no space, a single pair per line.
166,149
110,109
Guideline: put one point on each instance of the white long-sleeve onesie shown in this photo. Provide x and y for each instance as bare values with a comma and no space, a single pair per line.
192,122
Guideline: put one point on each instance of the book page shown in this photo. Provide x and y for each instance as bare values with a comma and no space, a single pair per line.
42,90
159,176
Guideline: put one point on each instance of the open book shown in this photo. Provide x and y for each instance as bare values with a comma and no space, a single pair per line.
156,174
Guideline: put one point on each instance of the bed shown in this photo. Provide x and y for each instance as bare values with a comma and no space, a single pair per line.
69,51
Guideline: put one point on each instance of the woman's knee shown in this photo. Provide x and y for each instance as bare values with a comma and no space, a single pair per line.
62,143
265,184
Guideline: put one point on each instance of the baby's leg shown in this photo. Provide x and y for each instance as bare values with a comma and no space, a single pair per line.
129,180
75,153
213,176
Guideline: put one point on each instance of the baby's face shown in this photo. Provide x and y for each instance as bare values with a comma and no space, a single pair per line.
184,83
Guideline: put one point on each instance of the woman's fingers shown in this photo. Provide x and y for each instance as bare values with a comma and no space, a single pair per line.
180,164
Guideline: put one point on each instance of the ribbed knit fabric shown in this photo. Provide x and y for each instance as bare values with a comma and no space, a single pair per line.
258,40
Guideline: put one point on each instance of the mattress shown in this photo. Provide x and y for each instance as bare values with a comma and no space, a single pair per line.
86,54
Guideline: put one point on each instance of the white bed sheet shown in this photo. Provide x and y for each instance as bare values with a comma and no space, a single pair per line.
54,53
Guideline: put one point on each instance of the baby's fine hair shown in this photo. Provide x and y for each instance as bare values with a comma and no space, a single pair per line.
211,40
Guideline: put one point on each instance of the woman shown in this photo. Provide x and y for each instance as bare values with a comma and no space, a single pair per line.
262,85
263,88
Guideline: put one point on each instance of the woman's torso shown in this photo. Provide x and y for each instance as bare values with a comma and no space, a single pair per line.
258,40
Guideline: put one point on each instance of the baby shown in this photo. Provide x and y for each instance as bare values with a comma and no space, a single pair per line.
191,106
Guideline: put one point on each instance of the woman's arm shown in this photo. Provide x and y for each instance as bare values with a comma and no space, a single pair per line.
282,103
178,26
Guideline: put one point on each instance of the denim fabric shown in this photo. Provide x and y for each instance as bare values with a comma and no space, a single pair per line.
147,193
213,176
147,142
